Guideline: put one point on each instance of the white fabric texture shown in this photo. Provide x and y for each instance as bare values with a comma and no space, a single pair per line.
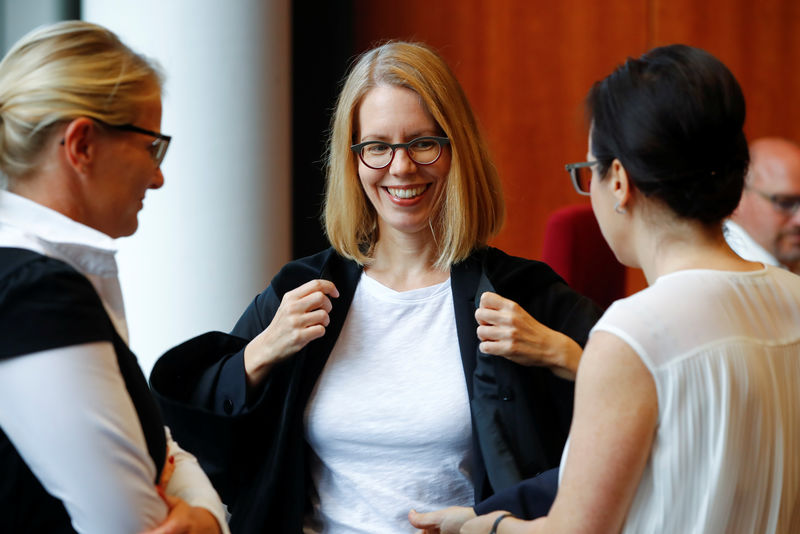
745,246
67,410
724,351
389,418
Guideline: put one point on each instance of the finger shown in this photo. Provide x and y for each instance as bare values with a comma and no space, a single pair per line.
313,301
167,527
326,305
494,348
424,521
492,333
173,524
316,317
172,501
306,335
324,286
494,301
489,316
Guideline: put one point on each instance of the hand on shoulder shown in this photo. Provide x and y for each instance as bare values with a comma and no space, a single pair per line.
506,329
301,317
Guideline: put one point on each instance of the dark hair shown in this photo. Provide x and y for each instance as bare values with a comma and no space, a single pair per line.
674,119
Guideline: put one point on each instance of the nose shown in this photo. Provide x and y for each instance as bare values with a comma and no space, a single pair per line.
158,180
794,218
402,163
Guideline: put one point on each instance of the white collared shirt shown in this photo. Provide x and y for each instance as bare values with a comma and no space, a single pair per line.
29,225
67,410
745,246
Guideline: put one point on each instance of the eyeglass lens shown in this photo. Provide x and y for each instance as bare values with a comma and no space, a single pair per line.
158,150
786,204
583,178
422,151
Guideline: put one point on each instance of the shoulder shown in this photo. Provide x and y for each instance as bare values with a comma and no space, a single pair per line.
524,279
502,268
784,277
327,264
33,275
45,304
536,287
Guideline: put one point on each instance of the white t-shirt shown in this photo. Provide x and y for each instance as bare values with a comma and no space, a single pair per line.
389,419
724,351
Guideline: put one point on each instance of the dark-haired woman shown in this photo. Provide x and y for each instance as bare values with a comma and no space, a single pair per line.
687,403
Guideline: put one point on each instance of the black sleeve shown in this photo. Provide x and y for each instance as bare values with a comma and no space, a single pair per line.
223,387
45,304
567,311
530,499
208,371
258,314
200,386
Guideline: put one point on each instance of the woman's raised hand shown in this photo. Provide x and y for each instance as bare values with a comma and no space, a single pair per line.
301,317
507,330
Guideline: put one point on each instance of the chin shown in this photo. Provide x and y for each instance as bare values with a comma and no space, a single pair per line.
126,231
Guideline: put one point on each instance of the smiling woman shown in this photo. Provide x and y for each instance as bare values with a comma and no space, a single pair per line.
404,192
391,372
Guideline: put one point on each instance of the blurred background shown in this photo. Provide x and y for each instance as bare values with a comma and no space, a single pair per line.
251,84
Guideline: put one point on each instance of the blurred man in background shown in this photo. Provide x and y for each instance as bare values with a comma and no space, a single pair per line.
766,225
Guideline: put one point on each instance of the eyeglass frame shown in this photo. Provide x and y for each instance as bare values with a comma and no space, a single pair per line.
775,200
160,139
572,169
441,141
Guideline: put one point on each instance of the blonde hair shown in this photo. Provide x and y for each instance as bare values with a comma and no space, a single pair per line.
63,71
471,209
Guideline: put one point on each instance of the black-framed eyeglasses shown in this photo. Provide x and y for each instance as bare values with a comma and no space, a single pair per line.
422,151
581,174
786,204
158,148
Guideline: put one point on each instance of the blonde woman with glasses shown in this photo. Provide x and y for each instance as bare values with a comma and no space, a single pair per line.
408,366
83,447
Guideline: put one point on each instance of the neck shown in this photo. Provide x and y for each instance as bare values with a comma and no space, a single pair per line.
50,191
682,244
52,183
405,261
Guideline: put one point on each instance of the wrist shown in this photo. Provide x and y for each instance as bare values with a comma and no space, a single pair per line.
255,368
496,523
567,358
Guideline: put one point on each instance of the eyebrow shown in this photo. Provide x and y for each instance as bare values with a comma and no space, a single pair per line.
414,135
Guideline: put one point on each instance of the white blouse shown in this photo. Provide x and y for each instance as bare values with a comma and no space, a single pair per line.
724,351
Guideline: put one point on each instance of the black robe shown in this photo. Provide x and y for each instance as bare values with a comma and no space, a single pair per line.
252,444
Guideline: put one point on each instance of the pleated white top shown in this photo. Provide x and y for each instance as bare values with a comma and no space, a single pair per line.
724,350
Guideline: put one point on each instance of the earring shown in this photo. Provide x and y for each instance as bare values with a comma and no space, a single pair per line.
619,210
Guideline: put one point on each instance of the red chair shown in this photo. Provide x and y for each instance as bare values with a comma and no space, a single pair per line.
575,249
